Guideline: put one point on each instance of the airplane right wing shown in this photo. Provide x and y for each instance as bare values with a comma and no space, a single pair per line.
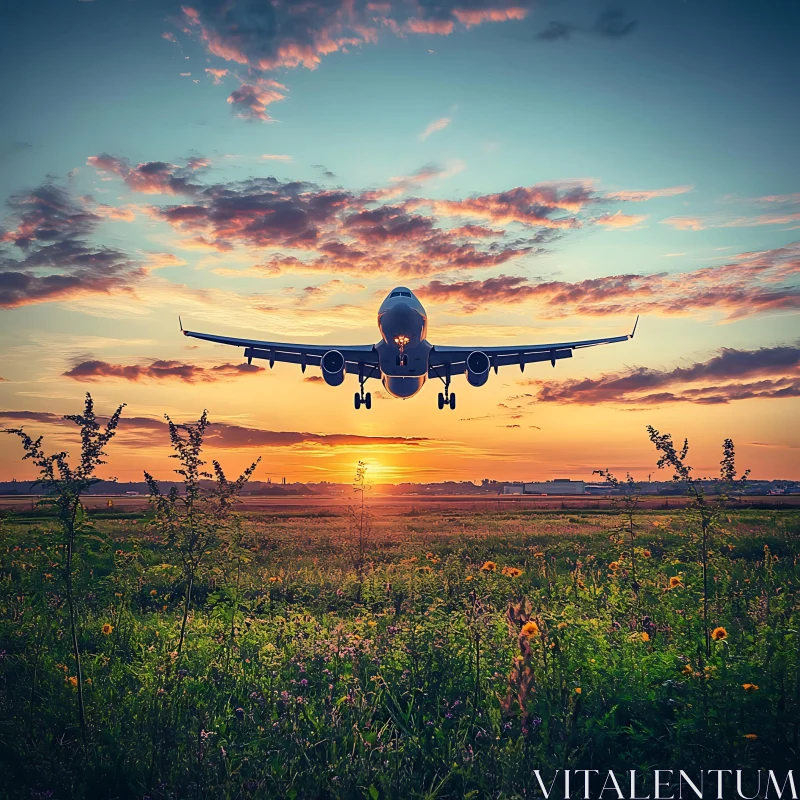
454,359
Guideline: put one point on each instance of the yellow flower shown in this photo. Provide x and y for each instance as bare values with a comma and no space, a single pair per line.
674,581
530,629
538,555
72,681
372,623
751,736
645,636
106,629
581,584
614,566
687,670
488,566
718,634
578,690
750,687
561,626
274,579
470,578
512,572
153,593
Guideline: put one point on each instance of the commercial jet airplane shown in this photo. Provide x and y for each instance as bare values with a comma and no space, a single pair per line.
404,359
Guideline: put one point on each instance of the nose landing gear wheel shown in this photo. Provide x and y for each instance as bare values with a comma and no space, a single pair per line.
441,401
357,401
452,402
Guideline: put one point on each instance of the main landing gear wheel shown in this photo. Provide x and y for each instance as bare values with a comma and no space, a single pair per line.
441,401
452,402
362,400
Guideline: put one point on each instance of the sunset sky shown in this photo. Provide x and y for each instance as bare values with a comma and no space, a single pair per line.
535,172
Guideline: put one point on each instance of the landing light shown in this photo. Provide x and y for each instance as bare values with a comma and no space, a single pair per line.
402,341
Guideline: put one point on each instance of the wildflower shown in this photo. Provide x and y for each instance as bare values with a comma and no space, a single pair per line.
274,579
72,681
488,566
512,572
581,584
646,553
751,736
645,636
687,670
538,555
106,629
470,578
674,581
718,634
750,687
153,593
614,566
578,690
561,626
372,623
530,629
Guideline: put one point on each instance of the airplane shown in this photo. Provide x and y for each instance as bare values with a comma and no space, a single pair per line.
404,359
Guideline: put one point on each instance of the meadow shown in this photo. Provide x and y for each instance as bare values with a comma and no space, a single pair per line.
212,652
305,676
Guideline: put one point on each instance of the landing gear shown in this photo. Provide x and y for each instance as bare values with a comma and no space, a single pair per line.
362,398
446,398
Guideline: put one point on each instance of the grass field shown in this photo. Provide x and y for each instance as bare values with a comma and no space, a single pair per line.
315,668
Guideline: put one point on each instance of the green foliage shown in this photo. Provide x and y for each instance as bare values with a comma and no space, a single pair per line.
65,485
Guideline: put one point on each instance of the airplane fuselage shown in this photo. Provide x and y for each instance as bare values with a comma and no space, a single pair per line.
403,350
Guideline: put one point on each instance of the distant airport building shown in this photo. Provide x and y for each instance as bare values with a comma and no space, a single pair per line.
555,486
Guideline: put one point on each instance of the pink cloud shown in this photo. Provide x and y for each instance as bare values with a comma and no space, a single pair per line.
473,17
437,125
620,220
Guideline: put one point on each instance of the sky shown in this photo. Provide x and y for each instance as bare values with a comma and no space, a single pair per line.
535,172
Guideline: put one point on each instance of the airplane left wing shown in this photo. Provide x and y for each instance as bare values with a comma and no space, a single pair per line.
454,359
360,359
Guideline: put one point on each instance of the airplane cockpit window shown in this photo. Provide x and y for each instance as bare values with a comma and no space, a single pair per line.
400,294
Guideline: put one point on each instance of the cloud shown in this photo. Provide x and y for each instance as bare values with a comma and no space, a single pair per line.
220,435
250,100
642,195
160,370
620,220
437,125
326,173
768,372
701,224
323,230
216,74
610,24
284,34
532,205
300,226
274,157
151,177
46,253
313,379
473,17
752,283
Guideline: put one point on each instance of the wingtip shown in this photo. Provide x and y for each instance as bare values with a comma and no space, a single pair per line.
180,322
633,332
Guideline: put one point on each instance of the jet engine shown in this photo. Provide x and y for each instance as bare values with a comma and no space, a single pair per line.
477,368
333,367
